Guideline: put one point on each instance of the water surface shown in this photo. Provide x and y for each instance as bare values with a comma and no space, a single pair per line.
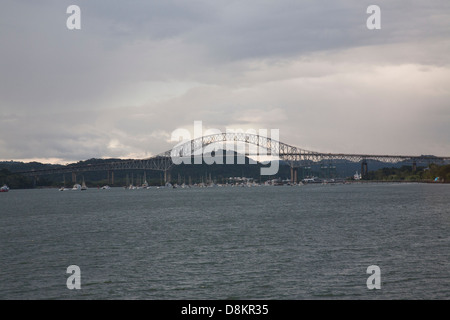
307,242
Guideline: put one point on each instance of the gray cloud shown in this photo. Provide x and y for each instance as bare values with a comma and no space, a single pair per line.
138,70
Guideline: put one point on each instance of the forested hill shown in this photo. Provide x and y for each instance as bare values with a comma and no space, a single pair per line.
432,173
16,166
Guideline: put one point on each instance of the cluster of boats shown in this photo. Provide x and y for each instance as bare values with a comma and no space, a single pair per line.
5,188
76,187
81,187
146,186
143,186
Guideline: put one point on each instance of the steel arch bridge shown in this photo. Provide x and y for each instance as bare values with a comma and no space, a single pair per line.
258,145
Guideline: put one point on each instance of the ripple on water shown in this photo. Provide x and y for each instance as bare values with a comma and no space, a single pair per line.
310,242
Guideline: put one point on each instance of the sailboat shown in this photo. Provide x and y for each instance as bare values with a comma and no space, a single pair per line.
63,188
145,184
83,185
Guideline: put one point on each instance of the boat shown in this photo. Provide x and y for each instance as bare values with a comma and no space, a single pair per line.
76,187
5,188
145,184
83,186
105,187
312,180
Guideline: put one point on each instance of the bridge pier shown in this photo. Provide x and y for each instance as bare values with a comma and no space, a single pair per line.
294,174
364,169
166,176
110,177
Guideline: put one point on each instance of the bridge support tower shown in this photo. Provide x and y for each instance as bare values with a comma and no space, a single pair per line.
166,176
110,177
364,169
294,174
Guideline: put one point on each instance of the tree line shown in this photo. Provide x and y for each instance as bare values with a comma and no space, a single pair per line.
432,173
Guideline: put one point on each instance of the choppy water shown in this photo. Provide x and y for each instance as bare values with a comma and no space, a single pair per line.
308,242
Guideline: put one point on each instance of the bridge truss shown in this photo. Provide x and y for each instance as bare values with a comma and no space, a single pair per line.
257,145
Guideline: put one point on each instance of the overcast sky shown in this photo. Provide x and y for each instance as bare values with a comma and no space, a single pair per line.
138,70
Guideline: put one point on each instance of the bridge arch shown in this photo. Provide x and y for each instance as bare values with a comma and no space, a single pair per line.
266,146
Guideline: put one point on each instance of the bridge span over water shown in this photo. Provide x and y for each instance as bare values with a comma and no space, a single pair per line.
256,145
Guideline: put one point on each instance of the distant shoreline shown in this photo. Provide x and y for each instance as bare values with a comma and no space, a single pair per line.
257,185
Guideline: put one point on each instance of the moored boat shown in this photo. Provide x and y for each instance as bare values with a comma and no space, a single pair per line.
83,185
5,188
